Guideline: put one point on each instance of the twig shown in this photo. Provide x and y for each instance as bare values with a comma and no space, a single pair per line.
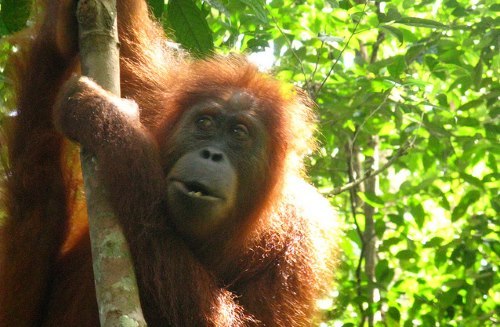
380,36
299,61
330,72
399,153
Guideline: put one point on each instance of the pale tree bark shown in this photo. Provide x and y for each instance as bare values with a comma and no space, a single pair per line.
116,285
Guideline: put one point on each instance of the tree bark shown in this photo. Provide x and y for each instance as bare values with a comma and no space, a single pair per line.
116,285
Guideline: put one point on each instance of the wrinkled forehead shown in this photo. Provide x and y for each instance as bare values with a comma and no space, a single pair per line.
236,101
240,100
231,101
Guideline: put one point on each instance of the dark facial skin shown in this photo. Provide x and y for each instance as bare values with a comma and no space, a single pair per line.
219,148
209,170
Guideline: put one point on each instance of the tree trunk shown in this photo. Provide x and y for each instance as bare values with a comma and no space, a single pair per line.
116,285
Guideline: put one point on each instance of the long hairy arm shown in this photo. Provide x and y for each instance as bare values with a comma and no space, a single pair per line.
35,190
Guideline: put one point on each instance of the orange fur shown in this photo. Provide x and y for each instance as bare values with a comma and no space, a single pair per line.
268,269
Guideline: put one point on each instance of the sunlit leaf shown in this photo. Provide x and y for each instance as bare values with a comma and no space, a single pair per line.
471,104
472,180
219,6
467,200
383,273
447,298
420,22
394,31
257,8
434,242
418,213
406,255
372,199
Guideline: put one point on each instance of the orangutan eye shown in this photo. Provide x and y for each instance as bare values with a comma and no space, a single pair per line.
205,123
240,132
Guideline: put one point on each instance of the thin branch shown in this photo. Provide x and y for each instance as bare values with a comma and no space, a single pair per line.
352,200
299,61
380,36
356,132
399,153
316,64
358,281
350,174
330,72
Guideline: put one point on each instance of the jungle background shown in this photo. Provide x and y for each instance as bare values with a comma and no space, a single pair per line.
408,107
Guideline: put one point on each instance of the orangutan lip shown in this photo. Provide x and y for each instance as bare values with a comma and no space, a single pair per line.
194,190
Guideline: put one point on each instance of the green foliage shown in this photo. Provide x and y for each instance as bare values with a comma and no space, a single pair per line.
407,91
157,7
14,15
187,22
191,28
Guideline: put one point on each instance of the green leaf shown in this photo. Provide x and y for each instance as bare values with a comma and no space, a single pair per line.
455,283
258,9
459,12
441,256
219,6
471,104
447,298
428,320
372,199
386,244
408,4
485,280
394,31
397,219
468,199
406,255
3,28
393,14
191,28
397,67
414,52
451,3
477,74
469,258
394,313
472,180
354,236
15,14
418,213
257,44
380,227
420,22
434,242
157,7
383,273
